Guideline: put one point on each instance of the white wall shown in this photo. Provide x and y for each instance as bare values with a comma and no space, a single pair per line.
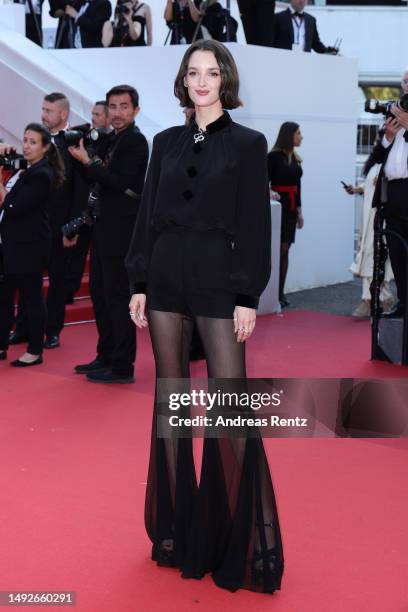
276,86
376,36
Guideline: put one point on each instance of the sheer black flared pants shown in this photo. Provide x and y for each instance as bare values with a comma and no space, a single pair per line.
228,524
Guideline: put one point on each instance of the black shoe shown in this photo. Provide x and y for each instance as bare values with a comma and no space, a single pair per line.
395,313
92,366
22,364
108,376
17,338
3,355
51,342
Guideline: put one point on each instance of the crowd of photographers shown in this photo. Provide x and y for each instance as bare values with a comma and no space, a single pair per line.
90,23
89,180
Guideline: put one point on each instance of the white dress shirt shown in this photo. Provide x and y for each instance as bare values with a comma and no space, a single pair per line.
299,30
396,166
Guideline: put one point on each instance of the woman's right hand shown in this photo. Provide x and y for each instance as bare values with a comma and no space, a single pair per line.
137,307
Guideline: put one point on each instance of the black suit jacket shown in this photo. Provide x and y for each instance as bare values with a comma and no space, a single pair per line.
283,32
24,229
119,181
91,22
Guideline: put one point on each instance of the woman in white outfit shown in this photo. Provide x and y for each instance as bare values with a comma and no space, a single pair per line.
363,263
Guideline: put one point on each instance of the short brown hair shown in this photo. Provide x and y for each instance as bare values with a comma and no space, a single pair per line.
119,90
229,74
56,96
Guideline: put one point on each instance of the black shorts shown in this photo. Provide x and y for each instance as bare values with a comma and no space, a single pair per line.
174,280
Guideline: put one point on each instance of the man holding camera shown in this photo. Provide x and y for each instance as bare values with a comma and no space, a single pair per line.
392,192
118,173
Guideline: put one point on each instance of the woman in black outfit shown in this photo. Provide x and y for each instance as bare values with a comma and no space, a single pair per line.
26,239
285,172
124,30
201,253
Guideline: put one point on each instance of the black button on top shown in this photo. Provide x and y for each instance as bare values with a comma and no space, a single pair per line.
187,194
197,148
192,171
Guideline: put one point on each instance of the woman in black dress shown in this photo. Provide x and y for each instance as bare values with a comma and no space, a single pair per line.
25,239
201,253
285,172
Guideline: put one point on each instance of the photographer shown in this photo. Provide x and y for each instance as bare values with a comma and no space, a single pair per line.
25,239
65,35
89,20
33,19
218,21
182,17
123,31
392,153
118,177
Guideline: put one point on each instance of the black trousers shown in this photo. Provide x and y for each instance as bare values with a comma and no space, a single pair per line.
397,221
257,19
109,286
30,288
57,268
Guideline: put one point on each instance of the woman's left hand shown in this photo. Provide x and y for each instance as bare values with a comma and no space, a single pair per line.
244,322
300,220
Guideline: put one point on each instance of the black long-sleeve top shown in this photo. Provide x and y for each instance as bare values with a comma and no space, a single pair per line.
219,184
282,172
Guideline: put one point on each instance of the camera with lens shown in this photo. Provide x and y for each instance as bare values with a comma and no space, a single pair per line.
384,108
121,8
13,161
88,216
90,135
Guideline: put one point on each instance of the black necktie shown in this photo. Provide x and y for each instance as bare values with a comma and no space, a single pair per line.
297,14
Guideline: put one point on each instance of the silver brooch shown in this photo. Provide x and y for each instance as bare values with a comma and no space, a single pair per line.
198,136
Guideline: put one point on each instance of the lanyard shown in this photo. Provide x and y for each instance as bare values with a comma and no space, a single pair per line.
298,26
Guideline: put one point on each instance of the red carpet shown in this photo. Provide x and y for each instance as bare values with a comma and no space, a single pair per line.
73,466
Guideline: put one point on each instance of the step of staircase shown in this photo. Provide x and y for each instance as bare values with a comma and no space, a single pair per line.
80,311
